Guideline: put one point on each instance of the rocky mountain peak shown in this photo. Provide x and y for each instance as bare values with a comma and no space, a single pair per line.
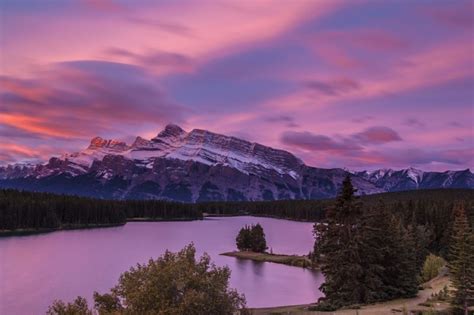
140,142
98,142
171,130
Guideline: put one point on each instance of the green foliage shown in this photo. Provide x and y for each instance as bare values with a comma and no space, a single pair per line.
78,307
251,238
107,303
175,283
431,267
461,260
337,248
365,253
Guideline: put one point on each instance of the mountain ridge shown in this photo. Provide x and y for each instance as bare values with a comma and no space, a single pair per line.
204,166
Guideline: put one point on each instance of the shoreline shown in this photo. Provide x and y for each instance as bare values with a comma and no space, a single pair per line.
212,215
31,231
300,261
26,232
397,306
184,219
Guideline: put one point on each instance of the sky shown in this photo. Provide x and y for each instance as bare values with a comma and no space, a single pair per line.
355,84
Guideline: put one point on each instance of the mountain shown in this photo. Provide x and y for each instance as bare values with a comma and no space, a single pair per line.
204,166
411,178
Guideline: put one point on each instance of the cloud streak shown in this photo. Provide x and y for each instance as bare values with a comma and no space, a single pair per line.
339,83
80,99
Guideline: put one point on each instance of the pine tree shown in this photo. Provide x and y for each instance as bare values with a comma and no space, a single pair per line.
338,250
258,241
407,279
461,261
376,248
244,239
251,238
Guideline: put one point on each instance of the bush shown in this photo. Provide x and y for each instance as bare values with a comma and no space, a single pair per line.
431,267
175,283
78,307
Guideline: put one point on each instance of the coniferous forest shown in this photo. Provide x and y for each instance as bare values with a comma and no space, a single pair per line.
21,210
369,254
431,211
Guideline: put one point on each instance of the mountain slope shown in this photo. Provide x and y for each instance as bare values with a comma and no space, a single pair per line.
203,166
411,178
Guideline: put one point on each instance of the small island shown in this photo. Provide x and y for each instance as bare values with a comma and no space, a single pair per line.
251,244
290,260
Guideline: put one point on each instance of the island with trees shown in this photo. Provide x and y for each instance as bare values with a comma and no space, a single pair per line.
371,249
251,244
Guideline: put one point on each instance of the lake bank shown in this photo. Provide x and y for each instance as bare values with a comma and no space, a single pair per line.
51,261
162,219
301,261
397,306
26,232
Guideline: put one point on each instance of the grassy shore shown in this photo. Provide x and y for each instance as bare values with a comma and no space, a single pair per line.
290,260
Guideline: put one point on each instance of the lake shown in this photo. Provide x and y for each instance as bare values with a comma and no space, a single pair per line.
36,269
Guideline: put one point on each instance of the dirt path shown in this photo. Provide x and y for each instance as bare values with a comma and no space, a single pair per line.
389,308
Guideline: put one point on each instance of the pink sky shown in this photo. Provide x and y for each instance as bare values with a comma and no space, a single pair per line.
356,84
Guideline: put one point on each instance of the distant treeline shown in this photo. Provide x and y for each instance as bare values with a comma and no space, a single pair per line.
21,210
32,210
431,209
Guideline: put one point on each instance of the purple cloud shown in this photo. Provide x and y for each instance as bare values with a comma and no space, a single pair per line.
285,119
309,141
377,135
413,122
82,98
333,87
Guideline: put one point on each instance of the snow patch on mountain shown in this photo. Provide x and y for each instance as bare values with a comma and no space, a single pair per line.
198,145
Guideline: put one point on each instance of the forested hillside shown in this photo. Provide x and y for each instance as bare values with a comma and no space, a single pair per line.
20,210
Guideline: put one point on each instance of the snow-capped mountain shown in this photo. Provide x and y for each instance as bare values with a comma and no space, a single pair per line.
201,166
198,145
412,178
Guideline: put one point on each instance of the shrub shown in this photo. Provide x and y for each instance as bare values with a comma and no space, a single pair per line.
175,283
431,267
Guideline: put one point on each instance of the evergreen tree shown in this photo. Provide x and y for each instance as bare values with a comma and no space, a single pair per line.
461,261
258,241
376,250
365,256
251,238
337,246
406,280
244,239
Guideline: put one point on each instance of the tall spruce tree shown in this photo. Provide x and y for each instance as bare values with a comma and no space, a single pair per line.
461,261
375,246
338,250
406,280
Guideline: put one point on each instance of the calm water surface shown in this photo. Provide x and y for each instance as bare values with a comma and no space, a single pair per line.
35,270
